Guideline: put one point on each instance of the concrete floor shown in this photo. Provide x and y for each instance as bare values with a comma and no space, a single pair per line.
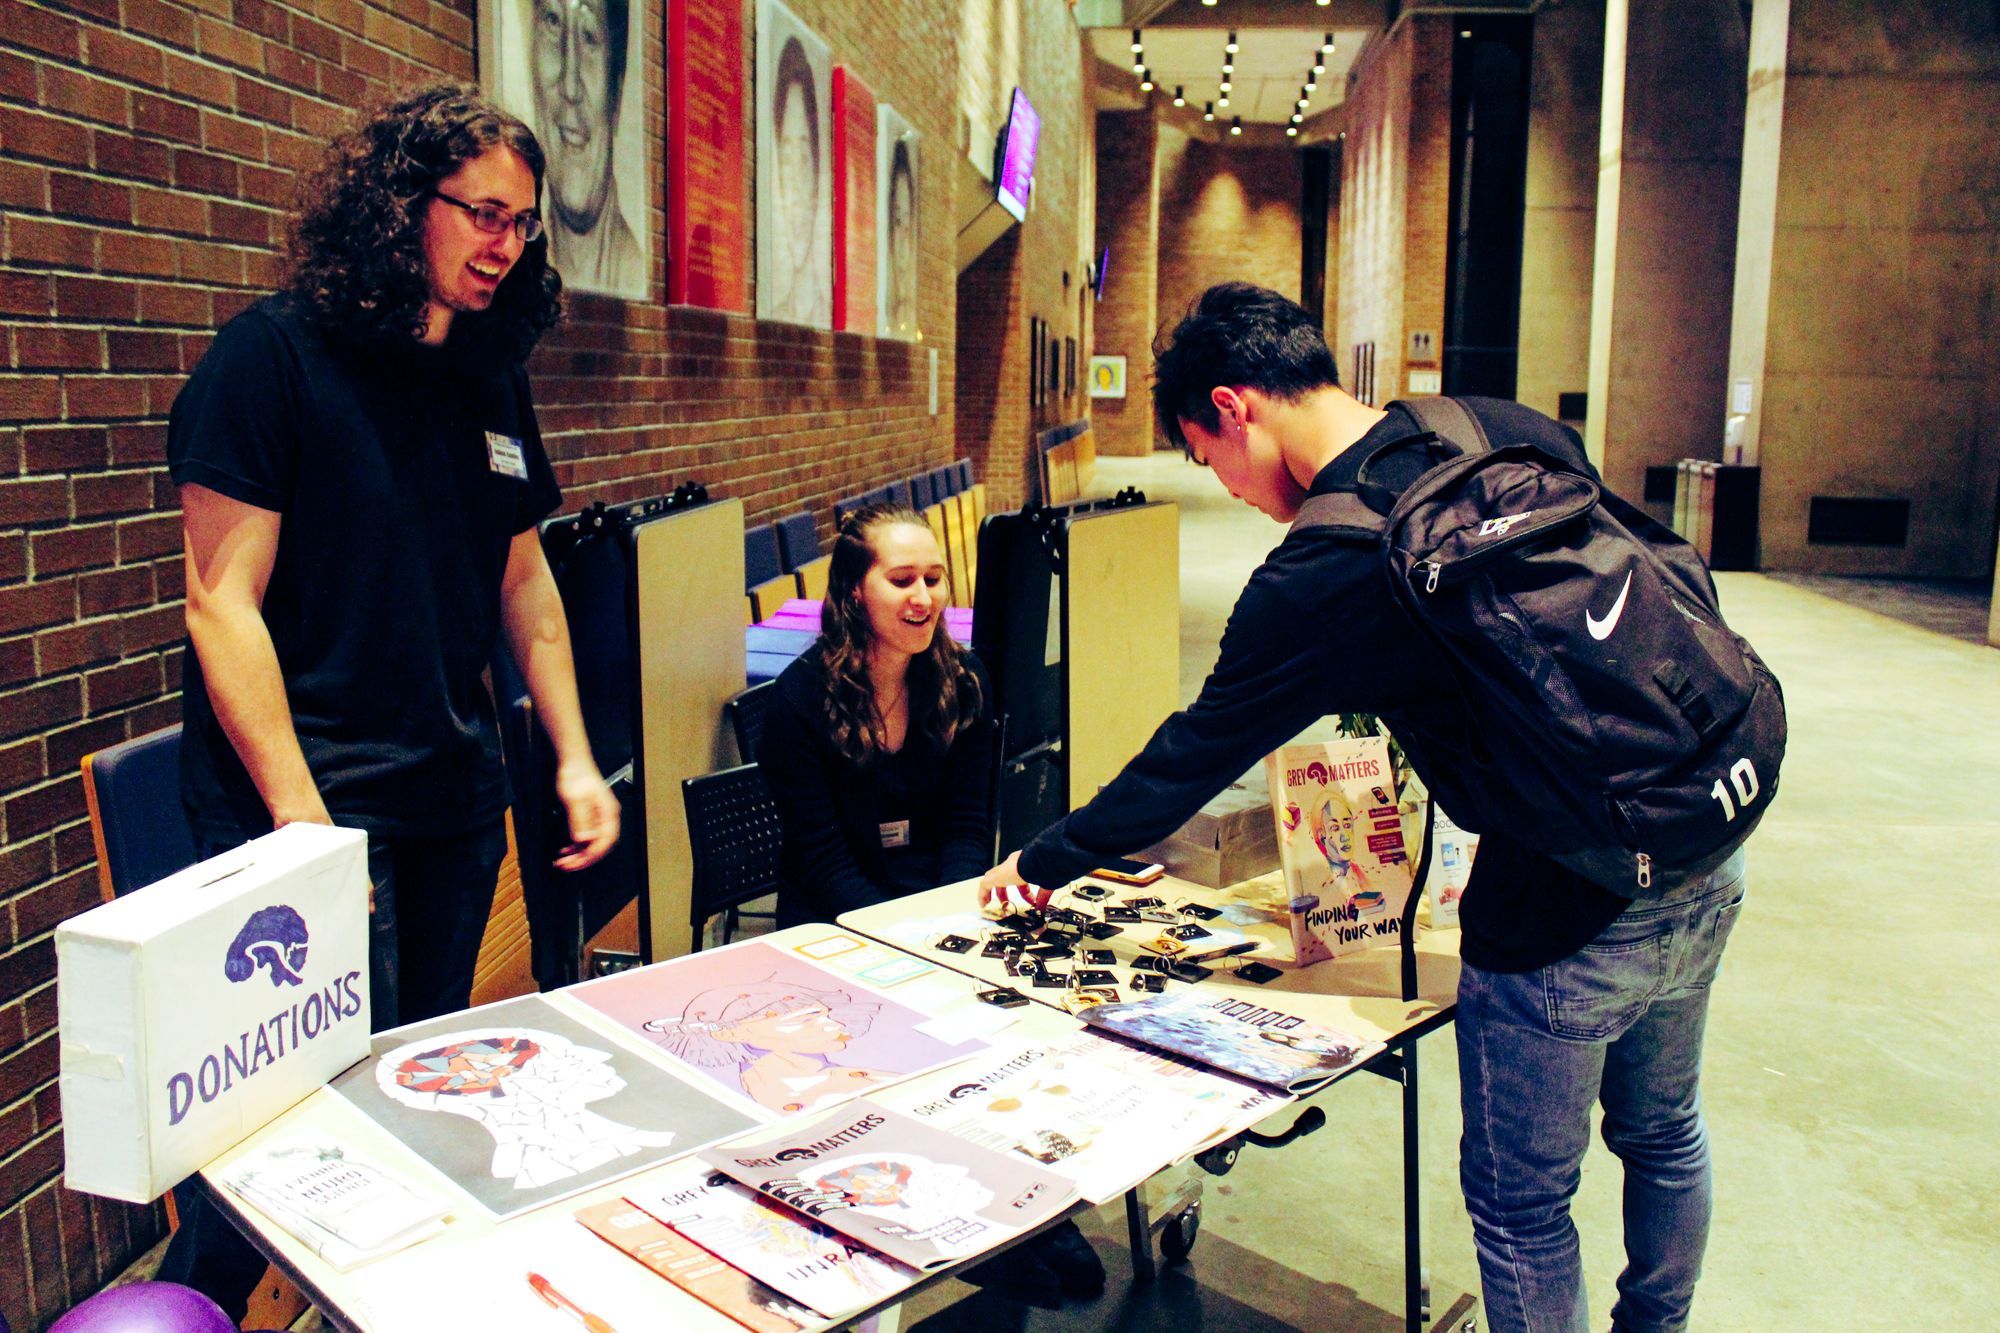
1849,1077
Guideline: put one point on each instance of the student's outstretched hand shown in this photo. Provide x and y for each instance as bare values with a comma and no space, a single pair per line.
1002,887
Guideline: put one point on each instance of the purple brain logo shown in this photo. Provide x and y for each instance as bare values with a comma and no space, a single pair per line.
274,938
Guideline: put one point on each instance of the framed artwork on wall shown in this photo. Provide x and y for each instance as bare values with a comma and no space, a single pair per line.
1069,367
1035,335
1107,377
794,171
1052,356
854,203
896,180
707,232
574,70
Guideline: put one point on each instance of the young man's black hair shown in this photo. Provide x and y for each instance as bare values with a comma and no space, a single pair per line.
1240,335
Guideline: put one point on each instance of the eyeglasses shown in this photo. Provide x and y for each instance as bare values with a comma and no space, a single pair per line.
493,220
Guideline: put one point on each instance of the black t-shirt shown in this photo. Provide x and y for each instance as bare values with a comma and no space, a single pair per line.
834,812
389,470
1315,631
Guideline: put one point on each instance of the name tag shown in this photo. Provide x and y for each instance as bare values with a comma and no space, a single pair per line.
896,833
505,456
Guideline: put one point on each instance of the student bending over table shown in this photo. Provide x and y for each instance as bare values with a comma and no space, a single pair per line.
878,746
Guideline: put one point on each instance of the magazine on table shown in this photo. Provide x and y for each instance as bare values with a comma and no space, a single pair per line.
694,1270
916,1193
792,1255
1072,1105
1241,1037
344,1208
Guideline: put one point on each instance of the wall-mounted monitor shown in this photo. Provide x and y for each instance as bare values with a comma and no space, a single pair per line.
1015,177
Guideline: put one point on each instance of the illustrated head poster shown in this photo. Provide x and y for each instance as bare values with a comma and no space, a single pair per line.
896,182
1340,839
770,1027
518,1104
574,70
794,171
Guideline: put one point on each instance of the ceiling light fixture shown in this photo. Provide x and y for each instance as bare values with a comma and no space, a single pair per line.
1146,81
1291,131
1135,39
1208,111
1230,45
1179,99
1326,45
1236,124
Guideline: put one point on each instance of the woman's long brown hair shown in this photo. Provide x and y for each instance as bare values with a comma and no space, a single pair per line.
942,688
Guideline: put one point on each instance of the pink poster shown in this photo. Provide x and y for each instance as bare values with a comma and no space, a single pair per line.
853,203
771,1028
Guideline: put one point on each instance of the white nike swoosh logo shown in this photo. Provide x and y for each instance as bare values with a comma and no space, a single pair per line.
1601,629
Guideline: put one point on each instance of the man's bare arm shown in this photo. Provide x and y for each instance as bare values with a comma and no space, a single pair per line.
231,547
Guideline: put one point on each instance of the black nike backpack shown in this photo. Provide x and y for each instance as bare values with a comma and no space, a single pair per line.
1611,720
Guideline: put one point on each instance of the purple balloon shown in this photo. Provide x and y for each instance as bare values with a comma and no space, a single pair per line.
146,1307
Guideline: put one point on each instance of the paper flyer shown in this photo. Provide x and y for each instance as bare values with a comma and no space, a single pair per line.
340,1205
1103,1123
1340,840
771,1028
543,1274
519,1104
915,1193
791,1254
1240,1037
693,1269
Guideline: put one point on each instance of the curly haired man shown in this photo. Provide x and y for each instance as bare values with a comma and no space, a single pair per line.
361,477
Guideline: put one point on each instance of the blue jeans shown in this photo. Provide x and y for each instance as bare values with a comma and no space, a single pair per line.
1620,1021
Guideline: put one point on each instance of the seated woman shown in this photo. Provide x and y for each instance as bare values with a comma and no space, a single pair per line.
878,747
878,741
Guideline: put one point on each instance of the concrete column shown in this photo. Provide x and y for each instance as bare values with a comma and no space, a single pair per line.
1669,159
1565,97
1865,354
1128,220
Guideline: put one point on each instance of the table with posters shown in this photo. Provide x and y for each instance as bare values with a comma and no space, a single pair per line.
1358,993
521,1172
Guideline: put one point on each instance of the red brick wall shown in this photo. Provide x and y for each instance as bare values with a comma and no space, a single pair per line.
1395,198
1036,269
1228,212
1128,220
148,151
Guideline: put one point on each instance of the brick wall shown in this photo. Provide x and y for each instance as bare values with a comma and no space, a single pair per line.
1395,197
148,156
1036,269
1227,212
1128,220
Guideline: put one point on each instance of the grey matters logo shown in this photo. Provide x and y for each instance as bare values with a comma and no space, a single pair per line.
274,937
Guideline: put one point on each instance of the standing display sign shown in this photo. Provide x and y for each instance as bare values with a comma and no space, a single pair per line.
196,1010
794,171
706,250
854,307
1340,840
896,180
575,73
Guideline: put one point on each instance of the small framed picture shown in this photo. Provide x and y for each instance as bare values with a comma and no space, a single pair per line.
1107,377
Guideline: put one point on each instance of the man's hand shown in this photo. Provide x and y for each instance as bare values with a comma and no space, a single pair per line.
592,808
1003,885
306,808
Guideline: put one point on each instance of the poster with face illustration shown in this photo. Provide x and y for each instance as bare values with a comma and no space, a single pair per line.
794,171
574,70
771,1028
518,1104
1340,839
896,226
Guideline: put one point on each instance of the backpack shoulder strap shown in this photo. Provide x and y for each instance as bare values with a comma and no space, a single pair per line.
1340,511
1449,419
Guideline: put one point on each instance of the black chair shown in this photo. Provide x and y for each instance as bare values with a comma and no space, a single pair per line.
734,840
133,792
744,712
